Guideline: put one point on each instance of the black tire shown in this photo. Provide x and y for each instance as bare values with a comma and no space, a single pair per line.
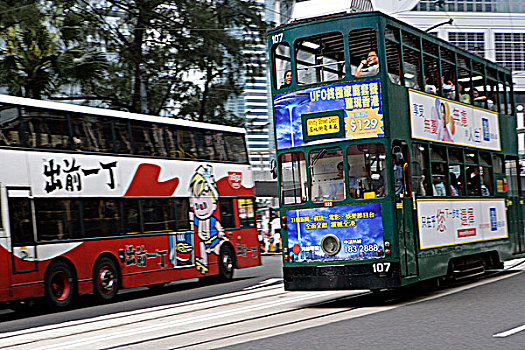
60,285
106,282
226,264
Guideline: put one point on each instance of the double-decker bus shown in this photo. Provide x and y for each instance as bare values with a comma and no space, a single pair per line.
396,152
95,200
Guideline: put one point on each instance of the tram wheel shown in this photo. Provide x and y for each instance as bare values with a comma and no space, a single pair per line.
226,264
105,279
60,285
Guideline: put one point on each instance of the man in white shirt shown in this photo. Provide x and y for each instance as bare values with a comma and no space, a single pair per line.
369,66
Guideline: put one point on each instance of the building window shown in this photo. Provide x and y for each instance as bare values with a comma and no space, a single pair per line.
510,50
473,42
472,5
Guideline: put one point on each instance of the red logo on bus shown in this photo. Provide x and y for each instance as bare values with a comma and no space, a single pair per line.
235,179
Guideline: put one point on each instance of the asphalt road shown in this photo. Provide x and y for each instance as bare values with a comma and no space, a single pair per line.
139,298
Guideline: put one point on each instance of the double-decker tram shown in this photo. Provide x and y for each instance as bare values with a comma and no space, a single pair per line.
94,200
396,153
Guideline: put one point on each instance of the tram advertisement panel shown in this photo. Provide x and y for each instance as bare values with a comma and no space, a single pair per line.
437,119
358,102
359,229
451,222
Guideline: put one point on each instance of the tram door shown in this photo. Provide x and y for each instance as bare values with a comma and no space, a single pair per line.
514,206
403,207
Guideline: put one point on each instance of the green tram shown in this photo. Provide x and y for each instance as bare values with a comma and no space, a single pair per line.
396,155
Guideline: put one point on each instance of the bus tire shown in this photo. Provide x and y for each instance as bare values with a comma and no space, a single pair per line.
60,285
226,263
106,281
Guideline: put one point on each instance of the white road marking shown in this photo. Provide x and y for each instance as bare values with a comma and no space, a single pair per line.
509,332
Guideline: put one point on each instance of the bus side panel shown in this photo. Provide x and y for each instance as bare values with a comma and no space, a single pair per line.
246,247
5,262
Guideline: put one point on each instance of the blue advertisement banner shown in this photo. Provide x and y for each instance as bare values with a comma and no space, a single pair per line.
360,101
359,229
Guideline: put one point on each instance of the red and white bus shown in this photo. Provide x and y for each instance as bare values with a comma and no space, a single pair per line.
95,200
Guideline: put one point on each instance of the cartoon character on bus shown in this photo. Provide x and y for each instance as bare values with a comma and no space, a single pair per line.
203,200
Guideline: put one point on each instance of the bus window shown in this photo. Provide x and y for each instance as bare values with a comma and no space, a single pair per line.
9,126
157,215
281,65
46,129
122,138
411,61
328,177
320,58
419,172
246,212
367,170
226,213
235,148
364,58
101,217
131,216
88,134
142,139
393,55
57,219
21,221
204,141
293,178
189,143
182,209
220,146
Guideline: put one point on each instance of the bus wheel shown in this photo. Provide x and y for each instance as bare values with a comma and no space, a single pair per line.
60,285
226,264
105,279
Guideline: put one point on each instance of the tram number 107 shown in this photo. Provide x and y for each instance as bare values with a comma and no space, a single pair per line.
381,267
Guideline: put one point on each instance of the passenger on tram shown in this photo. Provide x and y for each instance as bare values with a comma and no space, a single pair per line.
369,66
287,79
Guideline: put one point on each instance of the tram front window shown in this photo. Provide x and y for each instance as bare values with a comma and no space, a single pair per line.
327,174
367,170
293,178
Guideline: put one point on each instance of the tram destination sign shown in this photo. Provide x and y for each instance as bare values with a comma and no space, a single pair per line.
441,120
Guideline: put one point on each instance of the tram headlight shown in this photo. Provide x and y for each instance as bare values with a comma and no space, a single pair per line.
331,245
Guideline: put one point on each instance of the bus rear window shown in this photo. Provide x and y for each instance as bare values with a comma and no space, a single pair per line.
320,58
293,178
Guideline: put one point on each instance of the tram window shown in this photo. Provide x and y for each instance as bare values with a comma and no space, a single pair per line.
492,95
367,170
471,157
101,217
419,172
484,158
432,80
57,219
486,181
226,213
131,216
293,178
320,58
281,65
328,177
46,129
455,155
473,180
478,91
411,68
182,210
235,148
501,99
9,126
497,162
122,138
439,179
457,183
509,99
393,55
246,212
157,215
364,58
448,80
464,79
511,171
438,153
